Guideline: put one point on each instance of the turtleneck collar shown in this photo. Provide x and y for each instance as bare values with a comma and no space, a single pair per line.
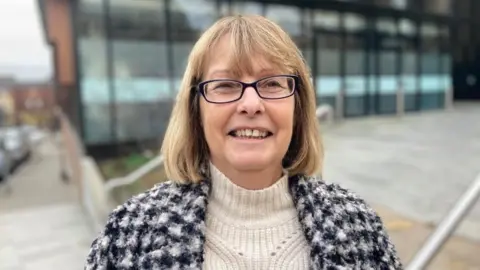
242,207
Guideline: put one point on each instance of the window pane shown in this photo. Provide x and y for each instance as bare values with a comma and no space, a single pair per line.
409,71
294,21
399,4
445,58
327,73
353,22
328,62
189,20
387,56
288,17
443,7
463,8
431,81
246,7
140,69
407,27
355,79
327,20
328,46
94,81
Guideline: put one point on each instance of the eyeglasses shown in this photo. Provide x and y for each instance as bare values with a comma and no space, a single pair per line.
225,91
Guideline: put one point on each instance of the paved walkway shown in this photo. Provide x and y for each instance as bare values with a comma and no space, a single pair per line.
42,226
417,166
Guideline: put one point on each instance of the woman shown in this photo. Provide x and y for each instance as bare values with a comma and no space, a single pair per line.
241,150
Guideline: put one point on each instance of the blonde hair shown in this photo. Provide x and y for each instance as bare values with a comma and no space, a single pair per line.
184,146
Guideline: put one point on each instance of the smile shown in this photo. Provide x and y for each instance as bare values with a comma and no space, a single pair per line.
250,133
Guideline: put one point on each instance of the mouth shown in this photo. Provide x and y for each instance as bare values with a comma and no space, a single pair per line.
246,133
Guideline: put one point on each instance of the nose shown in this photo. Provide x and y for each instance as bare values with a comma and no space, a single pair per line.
250,104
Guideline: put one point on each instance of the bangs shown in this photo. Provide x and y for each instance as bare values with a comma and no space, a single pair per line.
249,39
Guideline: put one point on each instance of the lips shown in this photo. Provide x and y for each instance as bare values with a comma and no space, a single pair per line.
250,133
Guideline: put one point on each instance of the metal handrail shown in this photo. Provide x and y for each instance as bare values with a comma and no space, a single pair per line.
135,175
321,111
446,228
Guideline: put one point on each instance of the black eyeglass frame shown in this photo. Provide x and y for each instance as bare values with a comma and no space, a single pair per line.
200,87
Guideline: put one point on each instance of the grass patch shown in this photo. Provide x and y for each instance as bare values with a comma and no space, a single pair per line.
122,166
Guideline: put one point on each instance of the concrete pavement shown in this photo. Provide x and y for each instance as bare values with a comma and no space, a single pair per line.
37,182
412,170
418,165
409,235
41,223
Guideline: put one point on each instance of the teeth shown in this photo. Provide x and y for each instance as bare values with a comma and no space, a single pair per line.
250,133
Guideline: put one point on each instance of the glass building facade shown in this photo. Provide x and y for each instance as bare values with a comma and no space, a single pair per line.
131,55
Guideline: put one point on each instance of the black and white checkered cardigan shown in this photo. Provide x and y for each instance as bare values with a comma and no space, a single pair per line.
164,228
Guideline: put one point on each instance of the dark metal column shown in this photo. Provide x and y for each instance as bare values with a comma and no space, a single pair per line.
78,118
170,60
110,71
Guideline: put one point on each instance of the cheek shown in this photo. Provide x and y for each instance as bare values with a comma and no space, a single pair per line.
212,121
286,115
283,116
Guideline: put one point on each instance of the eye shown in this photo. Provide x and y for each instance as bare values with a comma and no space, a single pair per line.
273,83
222,85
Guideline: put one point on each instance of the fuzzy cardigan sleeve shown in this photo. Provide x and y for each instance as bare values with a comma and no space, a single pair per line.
343,230
103,252
382,254
158,229
117,244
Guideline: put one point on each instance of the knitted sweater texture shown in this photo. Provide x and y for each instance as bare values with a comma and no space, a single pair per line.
253,229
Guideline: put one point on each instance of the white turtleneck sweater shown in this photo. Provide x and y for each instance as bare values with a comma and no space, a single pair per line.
253,229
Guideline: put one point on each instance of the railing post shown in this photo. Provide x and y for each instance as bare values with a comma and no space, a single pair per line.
400,101
448,98
325,113
446,228
339,104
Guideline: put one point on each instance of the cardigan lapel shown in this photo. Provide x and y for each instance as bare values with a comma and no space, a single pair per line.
183,227
309,211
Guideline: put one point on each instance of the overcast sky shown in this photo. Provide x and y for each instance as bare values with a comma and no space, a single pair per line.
23,52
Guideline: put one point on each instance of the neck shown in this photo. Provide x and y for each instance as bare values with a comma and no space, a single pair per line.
232,204
251,179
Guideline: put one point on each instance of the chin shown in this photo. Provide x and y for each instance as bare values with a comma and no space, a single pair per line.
249,163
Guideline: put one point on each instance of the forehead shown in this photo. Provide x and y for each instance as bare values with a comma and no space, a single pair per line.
227,58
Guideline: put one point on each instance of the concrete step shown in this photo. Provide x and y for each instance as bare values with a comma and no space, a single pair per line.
48,237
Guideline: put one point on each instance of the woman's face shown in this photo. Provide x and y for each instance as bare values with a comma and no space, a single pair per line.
227,126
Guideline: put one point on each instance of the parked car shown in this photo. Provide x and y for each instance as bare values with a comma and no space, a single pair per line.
16,143
34,134
6,162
